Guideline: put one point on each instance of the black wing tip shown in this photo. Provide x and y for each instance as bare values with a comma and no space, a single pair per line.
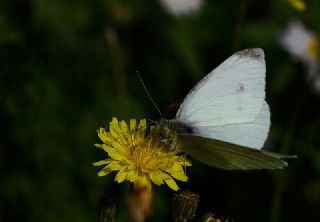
256,53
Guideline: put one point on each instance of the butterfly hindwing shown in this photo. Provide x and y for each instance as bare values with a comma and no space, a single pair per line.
229,156
252,134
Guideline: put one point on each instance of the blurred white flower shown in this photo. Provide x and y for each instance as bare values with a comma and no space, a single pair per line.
181,7
302,44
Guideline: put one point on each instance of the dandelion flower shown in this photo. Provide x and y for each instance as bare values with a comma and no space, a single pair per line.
138,157
299,5
181,7
302,44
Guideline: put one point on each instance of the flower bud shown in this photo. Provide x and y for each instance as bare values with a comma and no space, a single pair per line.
184,206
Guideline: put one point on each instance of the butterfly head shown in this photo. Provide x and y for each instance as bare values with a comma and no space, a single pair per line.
168,131
165,130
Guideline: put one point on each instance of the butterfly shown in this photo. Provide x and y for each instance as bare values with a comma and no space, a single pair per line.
224,120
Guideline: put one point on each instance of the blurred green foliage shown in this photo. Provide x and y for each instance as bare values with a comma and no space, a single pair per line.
67,67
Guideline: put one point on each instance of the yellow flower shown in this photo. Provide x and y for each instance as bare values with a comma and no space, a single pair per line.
139,157
299,5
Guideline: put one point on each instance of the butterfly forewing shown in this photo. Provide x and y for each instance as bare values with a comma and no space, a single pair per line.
232,93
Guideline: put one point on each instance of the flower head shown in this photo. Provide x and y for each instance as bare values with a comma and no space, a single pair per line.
185,205
181,7
138,156
302,44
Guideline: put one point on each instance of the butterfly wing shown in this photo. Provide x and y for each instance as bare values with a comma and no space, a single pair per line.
232,93
229,117
252,134
229,156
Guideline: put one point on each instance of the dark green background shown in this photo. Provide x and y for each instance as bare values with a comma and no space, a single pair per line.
68,67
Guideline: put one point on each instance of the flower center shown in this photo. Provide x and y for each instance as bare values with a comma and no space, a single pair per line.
145,156
312,47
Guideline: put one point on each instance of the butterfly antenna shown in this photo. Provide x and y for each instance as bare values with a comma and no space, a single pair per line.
152,121
145,88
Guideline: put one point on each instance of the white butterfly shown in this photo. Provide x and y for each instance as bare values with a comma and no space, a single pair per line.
224,120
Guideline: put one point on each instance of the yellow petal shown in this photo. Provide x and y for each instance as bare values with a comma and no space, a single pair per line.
142,124
104,136
101,162
114,128
121,176
183,161
170,182
176,167
113,132
104,171
124,127
132,175
133,124
115,166
98,145
119,147
177,172
114,120
179,176
131,167
113,153
105,147
156,178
